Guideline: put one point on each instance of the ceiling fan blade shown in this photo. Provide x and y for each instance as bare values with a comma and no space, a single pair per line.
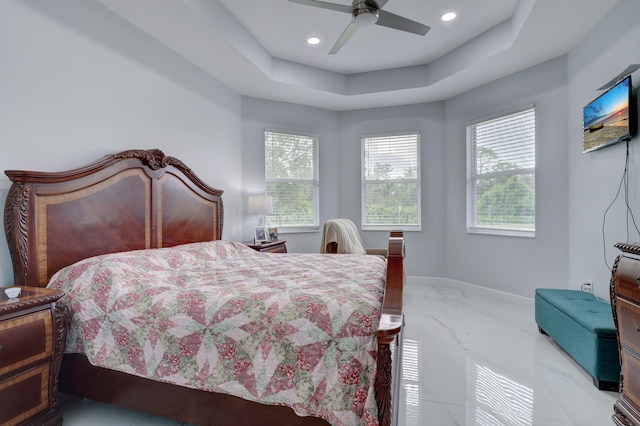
379,3
346,35
325,5
390,20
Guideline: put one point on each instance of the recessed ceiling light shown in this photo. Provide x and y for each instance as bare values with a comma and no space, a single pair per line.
449,16
313,40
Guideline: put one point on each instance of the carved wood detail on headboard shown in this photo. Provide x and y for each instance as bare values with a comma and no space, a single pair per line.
16,226
153,158
130,200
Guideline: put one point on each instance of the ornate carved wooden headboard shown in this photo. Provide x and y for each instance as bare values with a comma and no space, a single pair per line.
131,200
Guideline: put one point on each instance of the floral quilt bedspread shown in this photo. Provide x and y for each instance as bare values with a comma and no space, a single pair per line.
295,329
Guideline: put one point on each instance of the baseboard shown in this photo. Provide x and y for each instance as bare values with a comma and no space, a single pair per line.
470,288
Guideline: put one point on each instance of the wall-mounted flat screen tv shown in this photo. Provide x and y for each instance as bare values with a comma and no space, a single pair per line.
610,118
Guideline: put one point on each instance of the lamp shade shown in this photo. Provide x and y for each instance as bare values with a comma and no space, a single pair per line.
260,204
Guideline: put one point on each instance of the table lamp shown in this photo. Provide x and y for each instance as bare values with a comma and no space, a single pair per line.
261,205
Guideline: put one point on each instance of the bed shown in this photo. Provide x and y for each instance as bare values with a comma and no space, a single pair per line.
141,201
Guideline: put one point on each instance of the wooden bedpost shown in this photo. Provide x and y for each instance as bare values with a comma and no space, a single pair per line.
389,333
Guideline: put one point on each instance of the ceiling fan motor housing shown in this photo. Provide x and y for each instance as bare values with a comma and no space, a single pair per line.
363,14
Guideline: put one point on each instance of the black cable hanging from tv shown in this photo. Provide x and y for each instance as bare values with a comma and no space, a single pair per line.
624,184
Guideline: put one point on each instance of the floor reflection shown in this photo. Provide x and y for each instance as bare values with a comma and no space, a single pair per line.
411,380
497,399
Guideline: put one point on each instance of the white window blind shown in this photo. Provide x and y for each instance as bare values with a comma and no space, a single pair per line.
501,164
391,182
291,175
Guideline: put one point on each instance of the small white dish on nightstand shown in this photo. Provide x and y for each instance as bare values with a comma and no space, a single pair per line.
12,292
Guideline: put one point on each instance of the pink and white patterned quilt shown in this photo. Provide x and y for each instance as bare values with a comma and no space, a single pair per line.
296,329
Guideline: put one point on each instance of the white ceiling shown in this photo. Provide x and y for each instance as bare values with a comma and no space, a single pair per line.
258,47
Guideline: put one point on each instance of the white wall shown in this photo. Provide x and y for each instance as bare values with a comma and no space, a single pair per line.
259,114
78,82
594,177
511,264
425,248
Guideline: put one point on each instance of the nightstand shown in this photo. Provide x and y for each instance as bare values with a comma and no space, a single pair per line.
269,246
32,341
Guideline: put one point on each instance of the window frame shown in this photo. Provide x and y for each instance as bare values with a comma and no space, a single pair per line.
314,181
417,180
472,178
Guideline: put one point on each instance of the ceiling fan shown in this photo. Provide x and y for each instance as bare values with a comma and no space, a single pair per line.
365,13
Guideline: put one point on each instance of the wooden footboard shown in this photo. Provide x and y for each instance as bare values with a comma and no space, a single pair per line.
78,377
390,334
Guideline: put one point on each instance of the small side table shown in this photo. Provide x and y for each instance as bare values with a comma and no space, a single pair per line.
268,246
32,341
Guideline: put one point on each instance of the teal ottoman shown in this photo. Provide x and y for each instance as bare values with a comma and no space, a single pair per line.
583,326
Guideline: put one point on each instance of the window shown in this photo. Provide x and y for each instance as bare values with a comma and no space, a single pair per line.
501,175
391,182
291,174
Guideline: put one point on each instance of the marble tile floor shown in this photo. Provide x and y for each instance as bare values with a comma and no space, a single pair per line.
471,357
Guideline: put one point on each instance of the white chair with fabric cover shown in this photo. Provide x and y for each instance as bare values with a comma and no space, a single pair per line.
341,236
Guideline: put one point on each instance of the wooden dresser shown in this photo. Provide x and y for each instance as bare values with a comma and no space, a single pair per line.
625,303
32,340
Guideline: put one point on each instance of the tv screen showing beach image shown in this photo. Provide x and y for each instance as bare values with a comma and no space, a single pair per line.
606,119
